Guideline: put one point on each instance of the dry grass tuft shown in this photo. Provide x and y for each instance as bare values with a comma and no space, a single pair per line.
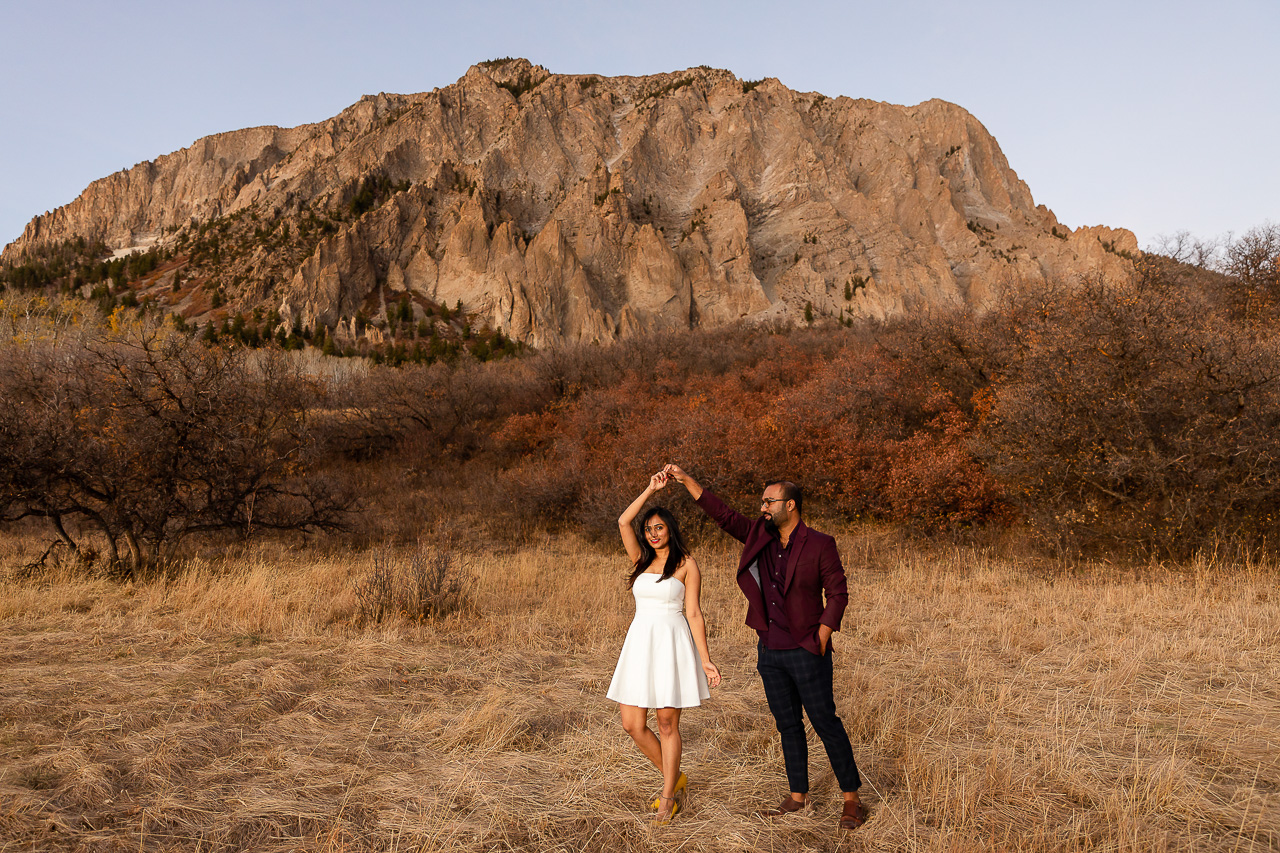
242,707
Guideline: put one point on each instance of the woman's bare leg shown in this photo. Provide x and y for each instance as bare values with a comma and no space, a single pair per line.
636,723
669,728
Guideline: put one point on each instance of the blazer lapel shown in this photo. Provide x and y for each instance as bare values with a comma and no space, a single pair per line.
752,551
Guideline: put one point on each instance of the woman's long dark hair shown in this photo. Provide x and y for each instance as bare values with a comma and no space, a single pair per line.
677,550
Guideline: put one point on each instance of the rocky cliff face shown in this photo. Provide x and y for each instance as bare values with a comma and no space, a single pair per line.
571,207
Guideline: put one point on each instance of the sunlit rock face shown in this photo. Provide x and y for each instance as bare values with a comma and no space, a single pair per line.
575,207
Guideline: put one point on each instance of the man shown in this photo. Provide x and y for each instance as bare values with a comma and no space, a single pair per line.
785,569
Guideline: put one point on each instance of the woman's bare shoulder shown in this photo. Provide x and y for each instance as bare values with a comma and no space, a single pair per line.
688,564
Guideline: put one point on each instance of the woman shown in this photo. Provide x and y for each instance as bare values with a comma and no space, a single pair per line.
664,663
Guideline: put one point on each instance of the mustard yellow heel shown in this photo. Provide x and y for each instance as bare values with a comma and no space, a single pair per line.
681,784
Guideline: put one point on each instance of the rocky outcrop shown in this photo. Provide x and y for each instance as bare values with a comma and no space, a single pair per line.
572,207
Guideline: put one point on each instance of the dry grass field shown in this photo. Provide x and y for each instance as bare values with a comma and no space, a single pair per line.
993,705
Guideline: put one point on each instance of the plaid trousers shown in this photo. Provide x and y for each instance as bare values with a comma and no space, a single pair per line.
795,679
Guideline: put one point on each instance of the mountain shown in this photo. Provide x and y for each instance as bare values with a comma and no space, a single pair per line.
561,207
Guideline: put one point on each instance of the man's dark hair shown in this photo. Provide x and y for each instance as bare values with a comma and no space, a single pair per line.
790,492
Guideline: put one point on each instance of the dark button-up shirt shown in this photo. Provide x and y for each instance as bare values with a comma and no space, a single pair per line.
773,573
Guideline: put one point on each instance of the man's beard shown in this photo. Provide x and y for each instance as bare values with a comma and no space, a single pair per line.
771,527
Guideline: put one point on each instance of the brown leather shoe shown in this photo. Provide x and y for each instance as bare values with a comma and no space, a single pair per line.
855,815
788,806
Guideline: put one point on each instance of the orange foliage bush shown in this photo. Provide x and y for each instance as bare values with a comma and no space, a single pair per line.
933,477
836,419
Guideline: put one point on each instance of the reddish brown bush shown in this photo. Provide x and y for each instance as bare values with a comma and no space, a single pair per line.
1139,415
832,414
935,480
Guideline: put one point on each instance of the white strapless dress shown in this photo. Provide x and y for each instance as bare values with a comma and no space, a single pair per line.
659,665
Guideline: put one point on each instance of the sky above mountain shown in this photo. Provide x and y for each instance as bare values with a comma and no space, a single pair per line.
1153,116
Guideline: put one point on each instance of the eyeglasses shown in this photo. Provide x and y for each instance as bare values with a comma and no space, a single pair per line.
767,501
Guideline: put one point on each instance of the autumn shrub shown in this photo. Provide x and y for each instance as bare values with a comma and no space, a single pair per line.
1138,415
827,411
872,435
141,437
423,586
934,480
375,593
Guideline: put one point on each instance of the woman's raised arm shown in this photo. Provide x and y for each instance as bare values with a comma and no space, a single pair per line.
626,521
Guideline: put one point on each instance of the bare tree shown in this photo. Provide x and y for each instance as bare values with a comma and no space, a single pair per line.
1185,248
1255,259
148,437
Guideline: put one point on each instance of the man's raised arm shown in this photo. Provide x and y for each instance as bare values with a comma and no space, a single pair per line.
731,521
678,474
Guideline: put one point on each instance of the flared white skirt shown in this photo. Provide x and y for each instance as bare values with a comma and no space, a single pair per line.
659,665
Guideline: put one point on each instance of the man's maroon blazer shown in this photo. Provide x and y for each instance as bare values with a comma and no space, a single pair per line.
812,570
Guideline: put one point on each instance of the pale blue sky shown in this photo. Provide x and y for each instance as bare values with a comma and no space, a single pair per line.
1153,116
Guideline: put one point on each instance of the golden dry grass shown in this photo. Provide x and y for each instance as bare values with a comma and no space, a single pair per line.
991,708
